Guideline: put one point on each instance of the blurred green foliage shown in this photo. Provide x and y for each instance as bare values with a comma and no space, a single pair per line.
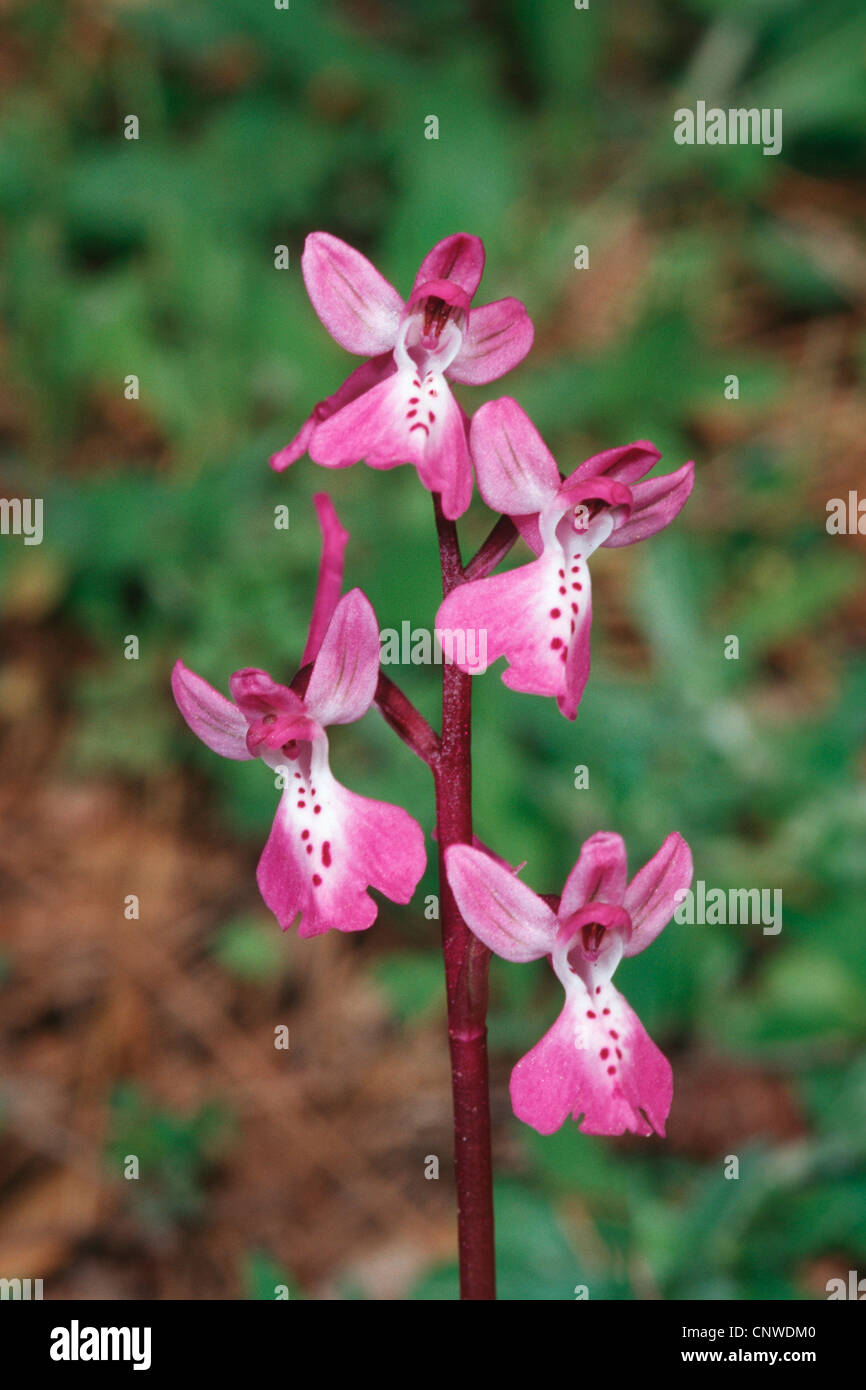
174,1154
155,257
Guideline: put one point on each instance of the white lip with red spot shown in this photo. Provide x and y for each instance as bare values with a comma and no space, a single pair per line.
309,809
430,337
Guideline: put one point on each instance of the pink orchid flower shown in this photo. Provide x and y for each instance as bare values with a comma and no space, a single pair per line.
327,844
597,1060
539,615
397,407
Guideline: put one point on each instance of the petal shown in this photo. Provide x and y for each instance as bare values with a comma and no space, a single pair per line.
295,448
356,383
654,892
656,502
459,258
625,464
598,876
498,336
257,694
213,718
404,420
330,581
526,615
355,303
516,471
327,845
577,664
498,907
596,1062
346,670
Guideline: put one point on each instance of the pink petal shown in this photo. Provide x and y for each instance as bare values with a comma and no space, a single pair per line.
525,615
354,302
330,581
320,863
213,718
404,420
346,670
652,896
356,383
459,258
600,1065
598,876
516,471
498,336
577,666
498,907
656,503
624,464
257,694
295,448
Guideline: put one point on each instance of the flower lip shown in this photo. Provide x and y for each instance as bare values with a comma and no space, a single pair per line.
586,930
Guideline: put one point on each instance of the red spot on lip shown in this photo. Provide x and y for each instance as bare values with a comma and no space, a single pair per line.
619,1054
555,613
302,803
317,878
326,854
557,642
305,834
605,1011
309,849
316,810
590,1014
419,425
563,589
611,1071
614,1033
430,416
604,1054
413,400
574,608
577,586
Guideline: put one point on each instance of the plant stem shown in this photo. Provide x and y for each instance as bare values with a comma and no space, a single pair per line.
494,549
466,962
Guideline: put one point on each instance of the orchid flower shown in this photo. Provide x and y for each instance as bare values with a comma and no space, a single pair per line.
398,407
538,616
327,844
597,1061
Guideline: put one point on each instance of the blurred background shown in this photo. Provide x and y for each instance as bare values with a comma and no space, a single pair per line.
155,257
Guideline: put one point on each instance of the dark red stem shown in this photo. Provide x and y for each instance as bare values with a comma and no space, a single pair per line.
466,961
497,545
